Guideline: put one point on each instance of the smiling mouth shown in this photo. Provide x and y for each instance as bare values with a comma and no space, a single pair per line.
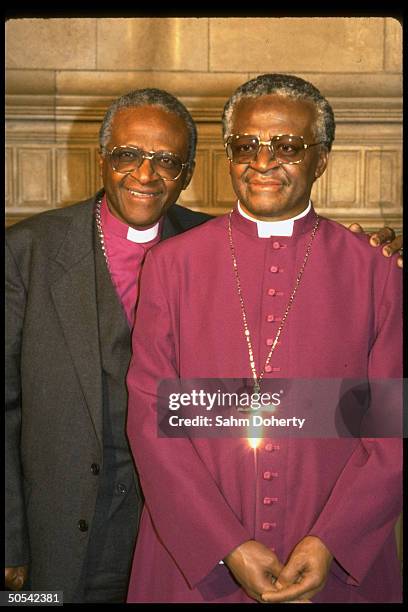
144,194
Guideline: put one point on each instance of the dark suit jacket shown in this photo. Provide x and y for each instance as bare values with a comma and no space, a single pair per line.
54,389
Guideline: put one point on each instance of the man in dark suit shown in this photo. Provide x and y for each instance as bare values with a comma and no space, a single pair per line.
72,496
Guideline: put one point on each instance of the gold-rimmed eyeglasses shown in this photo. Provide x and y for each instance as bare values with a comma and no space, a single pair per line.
125,159
284,148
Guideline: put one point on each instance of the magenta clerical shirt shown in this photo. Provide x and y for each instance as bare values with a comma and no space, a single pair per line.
126,256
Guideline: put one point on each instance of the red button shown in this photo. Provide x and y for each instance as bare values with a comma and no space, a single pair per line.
276,245
267,526
269,475
271,447
268,368
274,268
269,341
271,291
269,500
270,318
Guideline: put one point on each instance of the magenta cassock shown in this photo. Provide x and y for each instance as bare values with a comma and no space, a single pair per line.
202,497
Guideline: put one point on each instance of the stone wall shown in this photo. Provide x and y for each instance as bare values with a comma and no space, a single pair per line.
62,73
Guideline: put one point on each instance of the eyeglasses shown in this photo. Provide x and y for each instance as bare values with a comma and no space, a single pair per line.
126,159
285,148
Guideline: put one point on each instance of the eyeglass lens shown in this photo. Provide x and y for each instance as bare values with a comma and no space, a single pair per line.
127,159
243,149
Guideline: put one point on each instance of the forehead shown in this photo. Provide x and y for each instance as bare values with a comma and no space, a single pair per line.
274,114
149,127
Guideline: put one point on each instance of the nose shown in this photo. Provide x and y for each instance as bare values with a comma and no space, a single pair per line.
145,173
265,160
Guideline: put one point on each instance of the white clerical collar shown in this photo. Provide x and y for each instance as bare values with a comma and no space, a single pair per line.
141,236
266,229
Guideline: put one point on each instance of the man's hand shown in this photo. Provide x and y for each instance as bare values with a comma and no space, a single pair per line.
255,567
384,237
15,577
304,574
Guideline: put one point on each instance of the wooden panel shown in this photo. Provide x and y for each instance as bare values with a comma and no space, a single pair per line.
223,193
34,177
74,174
344,172
381,180
319,191
196,194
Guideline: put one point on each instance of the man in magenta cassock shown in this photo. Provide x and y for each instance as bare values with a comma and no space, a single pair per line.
270,291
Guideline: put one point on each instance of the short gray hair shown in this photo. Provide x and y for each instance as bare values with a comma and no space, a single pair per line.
290,87
149,97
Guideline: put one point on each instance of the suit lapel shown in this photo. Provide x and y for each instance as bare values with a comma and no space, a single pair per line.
178,219
114,330
171,225
74,296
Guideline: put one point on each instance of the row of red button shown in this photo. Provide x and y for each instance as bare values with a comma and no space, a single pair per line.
267,501
270,317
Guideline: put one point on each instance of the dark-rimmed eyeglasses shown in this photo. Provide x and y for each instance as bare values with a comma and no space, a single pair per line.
284,148
125,159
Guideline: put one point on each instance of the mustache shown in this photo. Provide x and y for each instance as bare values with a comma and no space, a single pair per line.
249,177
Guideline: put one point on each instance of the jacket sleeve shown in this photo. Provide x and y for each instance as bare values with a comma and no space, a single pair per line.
16,534
178,488
360,514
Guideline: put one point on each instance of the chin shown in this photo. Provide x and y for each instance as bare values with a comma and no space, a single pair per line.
144,218
266,211
271,210
143,222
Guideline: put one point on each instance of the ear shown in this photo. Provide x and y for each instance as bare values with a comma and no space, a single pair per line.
189,175
321,163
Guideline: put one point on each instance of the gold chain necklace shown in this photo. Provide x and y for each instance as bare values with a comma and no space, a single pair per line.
257,379
100,232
